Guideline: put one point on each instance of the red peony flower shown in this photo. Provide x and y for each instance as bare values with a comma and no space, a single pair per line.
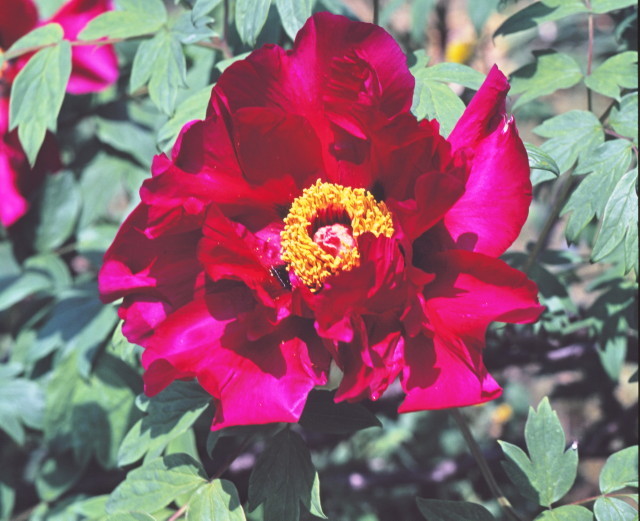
93,69
310,227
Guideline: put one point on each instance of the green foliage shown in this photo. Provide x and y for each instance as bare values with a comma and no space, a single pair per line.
540,12
21,403
571,135
541,77
156,484
547,473
37,94
169,414
251,16
322,414
619,71
566,513
294,14
433,99
160,62
284,477
216,500
136,18
46,35
440,510
90,416
620,470
543,167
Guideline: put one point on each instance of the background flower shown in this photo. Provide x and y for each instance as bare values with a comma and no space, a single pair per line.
93,69
218,286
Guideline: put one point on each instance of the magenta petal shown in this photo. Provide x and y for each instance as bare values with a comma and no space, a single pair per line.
490,214
436,377
252,382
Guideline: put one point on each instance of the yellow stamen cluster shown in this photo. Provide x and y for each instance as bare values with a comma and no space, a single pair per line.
310,262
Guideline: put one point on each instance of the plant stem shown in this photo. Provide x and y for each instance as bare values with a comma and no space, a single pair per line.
594,498
549,223
484,466
590,55
376,12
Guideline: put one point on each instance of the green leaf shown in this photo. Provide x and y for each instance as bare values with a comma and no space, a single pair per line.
160,61
619,71
283,477
624,119
201,8
566,513
613,355
79,324
169,414
194,107
129,138
57,474
620,220
614,509
549,470
543,167
322,414
58,211
129,516
188,29
541,77
606,165
216,500
540,12
37,94
21,403
46,35
251,16
156,484
294,14
454,73
434,100
572,135
605,6
620,470
136,18
90,416
440,510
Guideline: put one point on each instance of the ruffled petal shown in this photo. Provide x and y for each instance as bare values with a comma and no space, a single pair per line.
252,382
490,214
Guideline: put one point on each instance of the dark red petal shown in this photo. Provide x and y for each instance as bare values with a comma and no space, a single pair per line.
490,214
17,18
372,361
93,67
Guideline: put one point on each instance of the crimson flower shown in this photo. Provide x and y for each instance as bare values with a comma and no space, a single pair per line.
93,69
311,230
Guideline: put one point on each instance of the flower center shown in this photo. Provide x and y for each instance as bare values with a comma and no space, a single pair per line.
321,230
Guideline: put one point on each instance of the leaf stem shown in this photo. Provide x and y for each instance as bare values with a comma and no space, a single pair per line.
484,466
594,498
376,12
549,223
590,55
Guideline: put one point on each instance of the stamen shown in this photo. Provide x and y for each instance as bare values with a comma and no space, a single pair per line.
317,242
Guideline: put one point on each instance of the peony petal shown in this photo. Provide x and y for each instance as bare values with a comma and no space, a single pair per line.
472,290
490,214
253,382
94,68
435,377
372,361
